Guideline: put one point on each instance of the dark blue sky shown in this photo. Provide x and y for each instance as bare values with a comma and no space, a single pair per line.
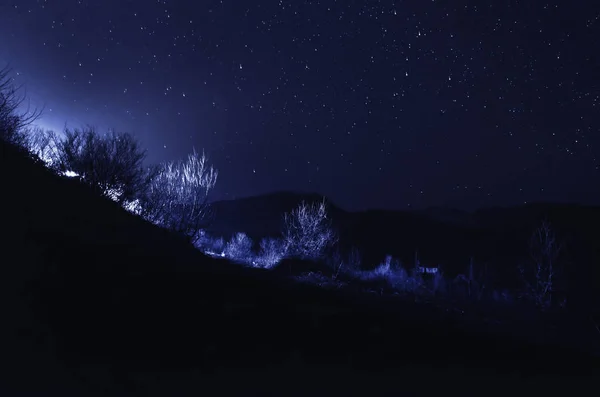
376,104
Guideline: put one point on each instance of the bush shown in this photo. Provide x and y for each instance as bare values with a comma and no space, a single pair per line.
396,276
217,245
239,248
177,197
271,252
209,244
308,232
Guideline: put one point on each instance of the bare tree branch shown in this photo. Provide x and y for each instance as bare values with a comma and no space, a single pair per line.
111,164
308,232
13,121
177,198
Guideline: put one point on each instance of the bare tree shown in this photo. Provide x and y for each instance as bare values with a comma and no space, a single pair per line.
111,164
540,278
44,144
177,198
13,120
307,231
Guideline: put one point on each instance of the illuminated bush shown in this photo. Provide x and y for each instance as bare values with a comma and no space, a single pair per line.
217,245
177,197
271,252
209,244
308,232
239,248
392,273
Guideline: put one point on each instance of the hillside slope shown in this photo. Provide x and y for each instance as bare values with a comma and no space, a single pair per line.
98,301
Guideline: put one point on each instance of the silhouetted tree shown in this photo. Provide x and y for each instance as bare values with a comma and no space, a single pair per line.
111,164
540,277
177,197
44,145
13,121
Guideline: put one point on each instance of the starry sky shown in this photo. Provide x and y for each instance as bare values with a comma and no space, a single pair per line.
373,103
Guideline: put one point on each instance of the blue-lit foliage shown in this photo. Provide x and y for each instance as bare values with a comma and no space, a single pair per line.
395,275
210,245
272,251
177,197
218,245
239,248
308,232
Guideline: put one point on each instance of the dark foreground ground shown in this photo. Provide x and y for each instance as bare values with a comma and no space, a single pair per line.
95,301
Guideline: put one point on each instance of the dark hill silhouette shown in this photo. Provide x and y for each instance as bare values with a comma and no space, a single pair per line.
96,301
257,216
450,215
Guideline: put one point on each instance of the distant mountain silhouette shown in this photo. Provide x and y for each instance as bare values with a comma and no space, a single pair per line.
258,216
450,215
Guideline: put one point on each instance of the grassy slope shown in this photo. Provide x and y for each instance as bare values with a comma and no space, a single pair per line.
95,298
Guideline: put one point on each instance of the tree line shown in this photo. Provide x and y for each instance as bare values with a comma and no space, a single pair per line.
174,195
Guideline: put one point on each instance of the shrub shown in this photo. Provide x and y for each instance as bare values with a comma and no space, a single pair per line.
209,244
307,231
239,248
271,252
392,273
177,196
218,245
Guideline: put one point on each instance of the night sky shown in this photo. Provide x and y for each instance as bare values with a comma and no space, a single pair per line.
375,104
